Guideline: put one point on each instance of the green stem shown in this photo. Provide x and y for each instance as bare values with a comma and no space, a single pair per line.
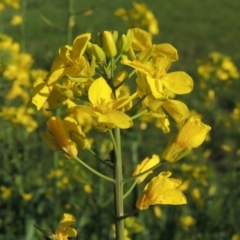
102,161
70,19
118,187
136,105
139,114
130,189
93,170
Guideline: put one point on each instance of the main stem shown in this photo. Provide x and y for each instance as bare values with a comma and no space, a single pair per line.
118,187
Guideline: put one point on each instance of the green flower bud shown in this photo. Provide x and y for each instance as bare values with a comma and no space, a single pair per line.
109,44
98,53
121,43
115,35
130,37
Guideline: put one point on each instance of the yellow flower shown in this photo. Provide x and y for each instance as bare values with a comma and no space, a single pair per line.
63,231
65,136
5,192
161,190
87,188
104,108
191,135
187,222
16,20
27,196
70,61
152,66
176,109
139,16
146,164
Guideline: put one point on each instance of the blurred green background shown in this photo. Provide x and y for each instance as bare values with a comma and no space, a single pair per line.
37,185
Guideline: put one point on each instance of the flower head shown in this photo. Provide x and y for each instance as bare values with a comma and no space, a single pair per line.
63,231
161,190
104,108
191,135
65,136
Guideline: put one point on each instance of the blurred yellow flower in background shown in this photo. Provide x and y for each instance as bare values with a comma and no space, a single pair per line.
187,222
139,16
16,20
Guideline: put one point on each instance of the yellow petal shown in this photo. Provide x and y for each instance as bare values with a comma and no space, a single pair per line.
53,76
178,82
40,94
192,134
166,49
100,93
142,40
161,190
64,54
146,164
66,221
173,197
58,130
49,139
71,232
138,66
176,109
117,118
79,45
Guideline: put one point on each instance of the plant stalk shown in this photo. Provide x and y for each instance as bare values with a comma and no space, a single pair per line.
118,187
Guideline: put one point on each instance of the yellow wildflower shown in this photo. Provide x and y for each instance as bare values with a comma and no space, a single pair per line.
65,136
16,20
63,230
187,221
146,164
161,190
191,135
70,61
104,108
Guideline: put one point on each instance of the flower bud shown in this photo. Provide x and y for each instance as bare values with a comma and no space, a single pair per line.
130,37
191,135
109,44
98,53
115,35
121,43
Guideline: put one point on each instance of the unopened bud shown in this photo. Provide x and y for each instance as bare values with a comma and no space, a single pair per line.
121,43
109,44
130,37
115,35
98,53
173,152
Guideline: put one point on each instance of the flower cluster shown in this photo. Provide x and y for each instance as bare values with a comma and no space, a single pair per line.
89,78
219,65
15,70
139,16
85,71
